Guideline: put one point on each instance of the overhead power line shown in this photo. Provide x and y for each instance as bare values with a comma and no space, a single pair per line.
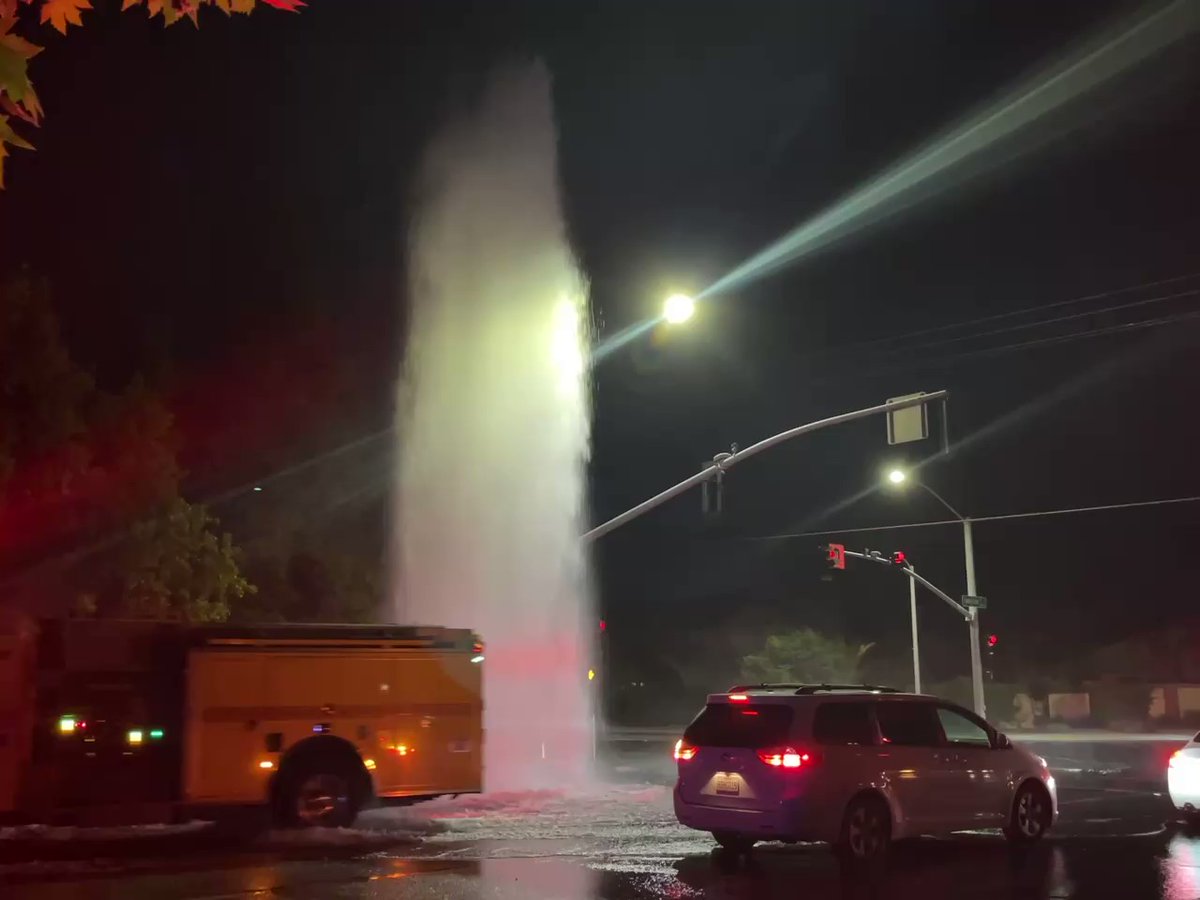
1024,515
932,361
1043,322
937,329
1076,335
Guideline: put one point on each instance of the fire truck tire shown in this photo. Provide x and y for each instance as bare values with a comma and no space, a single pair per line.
319,793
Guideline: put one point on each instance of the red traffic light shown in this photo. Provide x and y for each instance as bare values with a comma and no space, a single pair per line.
835,556
899,559
993,640
603,625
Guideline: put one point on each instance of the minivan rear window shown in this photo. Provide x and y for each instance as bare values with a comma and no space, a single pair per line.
908,724
753,726
843,723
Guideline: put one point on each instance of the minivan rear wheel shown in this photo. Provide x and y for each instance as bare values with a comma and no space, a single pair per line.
734,843
866,831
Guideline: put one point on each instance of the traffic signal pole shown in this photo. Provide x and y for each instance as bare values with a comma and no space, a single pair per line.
971,615
916,641
722,462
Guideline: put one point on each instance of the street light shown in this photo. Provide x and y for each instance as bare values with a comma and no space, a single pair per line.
899,477
678,308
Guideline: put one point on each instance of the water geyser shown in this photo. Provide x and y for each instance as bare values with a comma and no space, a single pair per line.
493,422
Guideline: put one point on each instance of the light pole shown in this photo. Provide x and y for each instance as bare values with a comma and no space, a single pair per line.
900,477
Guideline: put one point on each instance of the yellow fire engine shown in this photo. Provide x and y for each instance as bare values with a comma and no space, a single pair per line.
166,720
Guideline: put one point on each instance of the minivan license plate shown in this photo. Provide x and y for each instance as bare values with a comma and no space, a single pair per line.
728,784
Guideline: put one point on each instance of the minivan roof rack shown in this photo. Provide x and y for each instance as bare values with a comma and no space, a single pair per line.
813,688
873,688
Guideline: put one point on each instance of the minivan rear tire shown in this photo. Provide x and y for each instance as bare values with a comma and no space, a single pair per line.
866,833
734,843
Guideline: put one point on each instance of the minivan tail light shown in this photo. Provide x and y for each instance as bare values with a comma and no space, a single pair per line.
785,758
683,750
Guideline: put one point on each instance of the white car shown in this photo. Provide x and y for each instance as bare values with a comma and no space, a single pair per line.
856,766
1183,780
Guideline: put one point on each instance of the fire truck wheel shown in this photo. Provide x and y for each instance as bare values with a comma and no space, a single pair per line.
316,795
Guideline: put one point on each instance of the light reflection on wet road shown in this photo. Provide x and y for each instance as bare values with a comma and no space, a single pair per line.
1162,867
624,844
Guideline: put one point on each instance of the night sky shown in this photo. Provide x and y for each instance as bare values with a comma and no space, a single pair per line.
225,209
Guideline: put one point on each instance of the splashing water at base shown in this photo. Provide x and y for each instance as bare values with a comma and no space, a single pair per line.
494,429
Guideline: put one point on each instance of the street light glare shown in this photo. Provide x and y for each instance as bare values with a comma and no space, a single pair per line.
678,308
897,476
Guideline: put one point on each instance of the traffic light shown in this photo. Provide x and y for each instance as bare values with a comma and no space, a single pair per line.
835,556
712,494
603,625
992,640
899,559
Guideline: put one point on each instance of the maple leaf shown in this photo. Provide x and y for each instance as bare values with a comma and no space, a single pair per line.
15,53
245,7
29,110
130,4
286,5
61,13
8,136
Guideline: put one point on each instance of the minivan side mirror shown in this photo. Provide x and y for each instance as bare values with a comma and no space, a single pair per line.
1002,742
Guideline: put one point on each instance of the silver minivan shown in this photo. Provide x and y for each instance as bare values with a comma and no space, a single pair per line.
856,766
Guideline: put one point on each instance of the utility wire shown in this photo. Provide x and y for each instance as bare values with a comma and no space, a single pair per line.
1024,515
1004,348
1076,335
1018,312
1041,322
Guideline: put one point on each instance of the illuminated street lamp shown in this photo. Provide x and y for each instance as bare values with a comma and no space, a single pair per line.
898,477
678,308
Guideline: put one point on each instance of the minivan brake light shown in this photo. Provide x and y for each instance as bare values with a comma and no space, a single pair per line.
785,758
684,751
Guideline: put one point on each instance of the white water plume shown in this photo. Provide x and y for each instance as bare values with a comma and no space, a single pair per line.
494,429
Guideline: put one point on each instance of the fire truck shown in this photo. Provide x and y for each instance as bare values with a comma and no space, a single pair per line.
147,721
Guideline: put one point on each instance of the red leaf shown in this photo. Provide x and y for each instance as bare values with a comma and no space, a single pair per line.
61,13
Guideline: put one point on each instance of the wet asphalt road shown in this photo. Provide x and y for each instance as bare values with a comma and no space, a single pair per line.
1113,841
